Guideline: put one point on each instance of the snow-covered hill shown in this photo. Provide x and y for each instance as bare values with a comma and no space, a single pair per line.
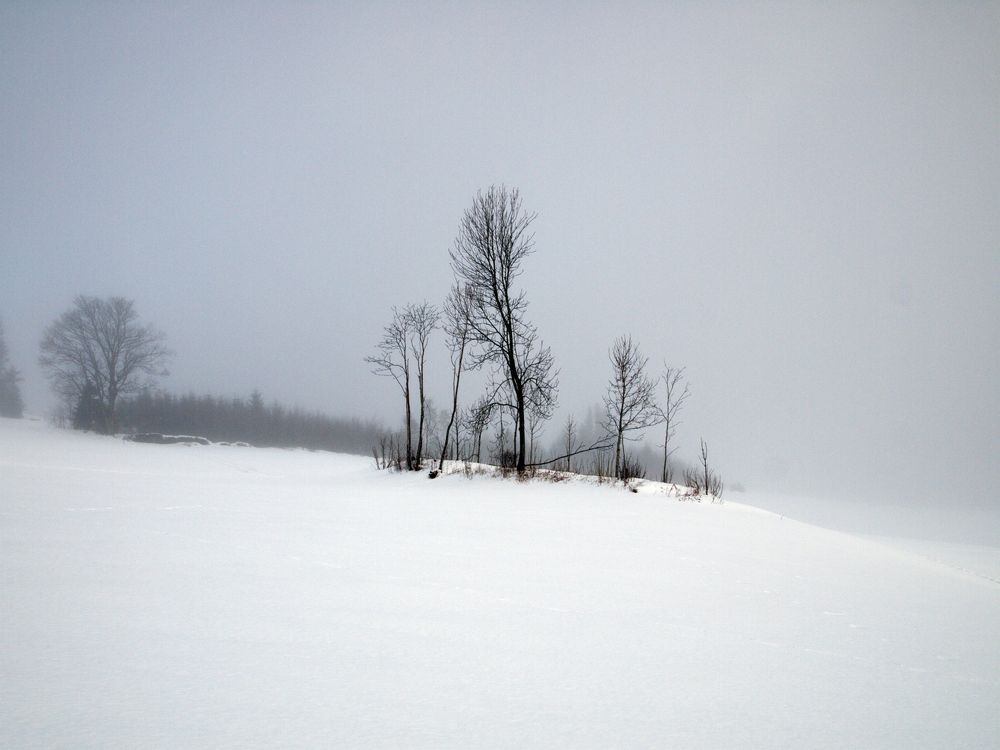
217,596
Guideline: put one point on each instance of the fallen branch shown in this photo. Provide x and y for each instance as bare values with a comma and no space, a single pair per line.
595,447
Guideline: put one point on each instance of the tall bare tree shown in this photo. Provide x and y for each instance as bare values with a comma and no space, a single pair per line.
677,392
422,320
456,328
493,241
98,347
393,360
630,401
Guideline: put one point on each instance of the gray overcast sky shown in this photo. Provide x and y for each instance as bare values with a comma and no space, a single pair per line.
798,201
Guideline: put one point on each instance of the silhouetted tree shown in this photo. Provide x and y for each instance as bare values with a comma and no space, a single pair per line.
456,328
422,320
11,404
393,360
569,441
704,480
677,392
493,240
629,404
100,342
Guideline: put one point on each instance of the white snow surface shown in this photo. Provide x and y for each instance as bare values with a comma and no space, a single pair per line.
171,596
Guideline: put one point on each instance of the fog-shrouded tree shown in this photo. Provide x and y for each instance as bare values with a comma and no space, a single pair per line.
422,320
393,360
569,440
477,420
456,329
99,351
630,401
704,480
487,258
677,393
11,404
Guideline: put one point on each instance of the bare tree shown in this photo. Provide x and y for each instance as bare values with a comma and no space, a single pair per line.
712,481
99,346
422,320
704,480
677,392
456,328
393,360
569,434
494,239
629,404
11,404
477,421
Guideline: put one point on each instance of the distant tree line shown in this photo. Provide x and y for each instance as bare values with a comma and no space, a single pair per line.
104,363
247,420
11,404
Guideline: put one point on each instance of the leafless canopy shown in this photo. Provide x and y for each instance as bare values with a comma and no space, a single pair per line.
403,344
99,347
422,320
630,401
392,360
493,240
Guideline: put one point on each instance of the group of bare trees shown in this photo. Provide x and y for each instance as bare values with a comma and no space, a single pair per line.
630,401
486,326
487,259
402,348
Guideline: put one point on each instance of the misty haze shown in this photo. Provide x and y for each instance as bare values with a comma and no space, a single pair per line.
485,375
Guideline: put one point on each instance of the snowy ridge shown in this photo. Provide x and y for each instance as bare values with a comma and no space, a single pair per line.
637,485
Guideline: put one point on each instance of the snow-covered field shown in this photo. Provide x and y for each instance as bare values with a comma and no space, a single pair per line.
184,597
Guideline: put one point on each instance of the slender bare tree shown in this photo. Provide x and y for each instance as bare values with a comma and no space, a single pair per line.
706,481
569,435
393,360
456,328
677,392
99,347
478,420
422,320
630,401
493,241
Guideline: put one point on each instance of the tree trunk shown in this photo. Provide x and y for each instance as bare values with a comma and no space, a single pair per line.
520,436
108,428
666,441
409,419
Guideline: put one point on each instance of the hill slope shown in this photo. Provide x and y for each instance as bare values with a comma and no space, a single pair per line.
174,596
